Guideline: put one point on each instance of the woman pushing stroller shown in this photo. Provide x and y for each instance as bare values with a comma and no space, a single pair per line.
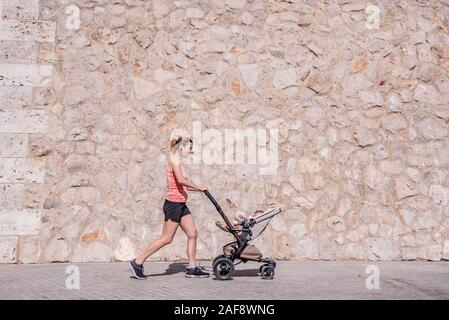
176,212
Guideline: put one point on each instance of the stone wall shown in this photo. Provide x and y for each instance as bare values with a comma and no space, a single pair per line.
25,74
362,112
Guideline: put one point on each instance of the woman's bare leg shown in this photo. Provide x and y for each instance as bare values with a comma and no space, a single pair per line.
168,232
188,226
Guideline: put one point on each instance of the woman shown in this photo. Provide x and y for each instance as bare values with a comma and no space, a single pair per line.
176,211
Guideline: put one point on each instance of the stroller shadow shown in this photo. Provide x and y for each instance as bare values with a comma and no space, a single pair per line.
246,273
241,273
180,267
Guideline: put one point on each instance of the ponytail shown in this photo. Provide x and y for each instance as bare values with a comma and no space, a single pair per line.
174,141
177,141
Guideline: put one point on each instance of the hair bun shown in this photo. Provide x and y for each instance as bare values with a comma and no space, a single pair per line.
174,141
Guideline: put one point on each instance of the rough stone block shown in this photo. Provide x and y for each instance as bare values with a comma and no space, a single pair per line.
28,75
21,170
20,9
13,145
37,30
19,222
23,121
18,51
15,97
10,196
8,249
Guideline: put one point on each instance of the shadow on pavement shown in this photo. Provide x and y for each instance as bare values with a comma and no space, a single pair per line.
173,268
180,267
246,273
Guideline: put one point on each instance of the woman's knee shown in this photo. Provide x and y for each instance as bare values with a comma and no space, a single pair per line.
192,234
166,239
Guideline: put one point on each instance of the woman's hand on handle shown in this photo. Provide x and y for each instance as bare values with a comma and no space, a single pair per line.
197,188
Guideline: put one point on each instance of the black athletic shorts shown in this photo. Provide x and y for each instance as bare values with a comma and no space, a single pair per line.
175,210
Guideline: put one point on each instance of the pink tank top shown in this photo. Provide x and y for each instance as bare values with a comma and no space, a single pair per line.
176,192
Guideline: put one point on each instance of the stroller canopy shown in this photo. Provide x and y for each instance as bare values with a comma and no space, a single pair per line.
261,222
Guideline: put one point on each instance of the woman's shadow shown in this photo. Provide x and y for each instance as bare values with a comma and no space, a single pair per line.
180,267
173,268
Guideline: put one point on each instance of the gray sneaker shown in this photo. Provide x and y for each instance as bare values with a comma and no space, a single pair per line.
137,270
196,273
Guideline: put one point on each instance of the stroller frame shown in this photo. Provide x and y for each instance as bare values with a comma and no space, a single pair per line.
223,265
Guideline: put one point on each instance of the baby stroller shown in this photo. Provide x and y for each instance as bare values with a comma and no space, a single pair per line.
240,249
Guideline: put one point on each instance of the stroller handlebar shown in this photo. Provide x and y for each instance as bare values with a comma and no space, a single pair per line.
220,211
212,199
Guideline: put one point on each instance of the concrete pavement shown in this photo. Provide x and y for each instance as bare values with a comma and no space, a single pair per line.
293,280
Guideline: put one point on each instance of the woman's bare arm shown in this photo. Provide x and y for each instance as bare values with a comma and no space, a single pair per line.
186,176
176,164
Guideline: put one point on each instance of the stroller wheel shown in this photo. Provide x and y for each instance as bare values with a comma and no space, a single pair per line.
267,272
261,267
216,258
223,268
269,264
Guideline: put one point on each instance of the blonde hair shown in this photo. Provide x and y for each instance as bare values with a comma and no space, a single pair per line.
178,141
